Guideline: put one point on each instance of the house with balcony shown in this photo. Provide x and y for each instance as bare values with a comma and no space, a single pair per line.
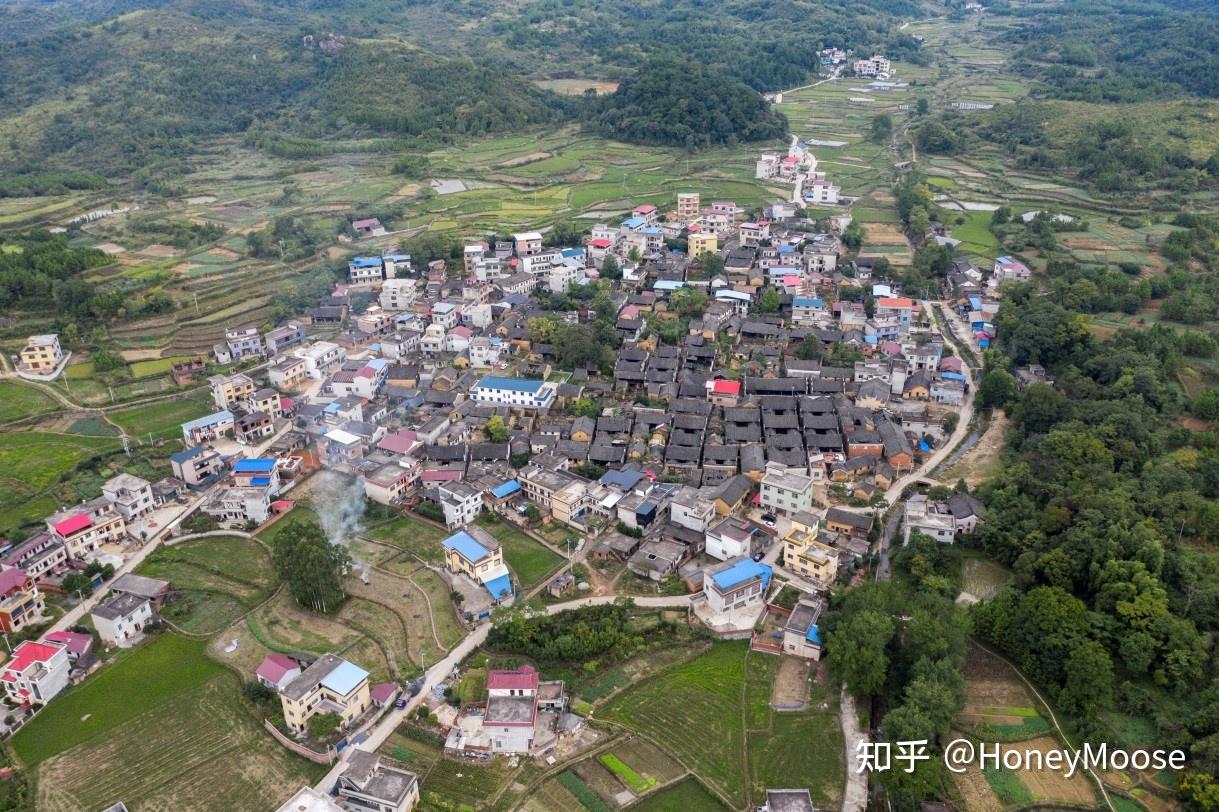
737,585
516,393
731,538
806,555
229,390
786,492
86,527
35,672
208,428
21,602
243,342
41,354
371,783
477,555
197,466
131,496
330,685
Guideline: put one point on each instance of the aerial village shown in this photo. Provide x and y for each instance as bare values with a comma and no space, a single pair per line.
759,399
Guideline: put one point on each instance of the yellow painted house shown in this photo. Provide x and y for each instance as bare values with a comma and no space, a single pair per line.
330,685
804,555
700,244
473,552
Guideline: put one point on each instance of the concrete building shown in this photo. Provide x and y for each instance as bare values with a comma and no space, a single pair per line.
784,492
121,618
688,205
476,554
329,685
196,465
736,585
21,602
398,294
517,393
731,538
130,495
460,501
243,342
35,673
371,784
804,555
41,354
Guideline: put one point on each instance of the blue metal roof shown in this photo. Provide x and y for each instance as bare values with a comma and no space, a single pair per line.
208,420
622,479
260,480
787,249
367,262
512,384
651,230
742,571
344,678
188,454
975,302
668,284
807,301
466,546
254,466
507,489
952,376
499,587
633,222
572,252
398,257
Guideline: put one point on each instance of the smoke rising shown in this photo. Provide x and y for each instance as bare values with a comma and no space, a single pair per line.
340,505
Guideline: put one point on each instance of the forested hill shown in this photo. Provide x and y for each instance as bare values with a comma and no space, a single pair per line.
684,104
123,94
123,83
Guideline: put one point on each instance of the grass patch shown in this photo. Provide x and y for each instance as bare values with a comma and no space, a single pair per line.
759,684
416,537
1007,786
31,462
162,669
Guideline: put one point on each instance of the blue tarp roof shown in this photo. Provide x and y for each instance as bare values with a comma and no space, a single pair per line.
742,571
813,635
344,678
668,284
499,587
633,222
260,480
952,376
786,249
807,301
622,479
465,545
511,384
922,446
507,489
254,466
367,262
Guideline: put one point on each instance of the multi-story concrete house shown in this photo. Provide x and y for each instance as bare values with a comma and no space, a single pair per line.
35,673
41,354
229,390
805,555
786,492
243,342
330,685
131,496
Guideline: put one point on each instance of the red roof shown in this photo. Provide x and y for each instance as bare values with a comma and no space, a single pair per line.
890,301
523,678
790,159
726,387
28,653
75,642
400,442
12,579
383,693
646,208
275,666
464,332
600,243
73,525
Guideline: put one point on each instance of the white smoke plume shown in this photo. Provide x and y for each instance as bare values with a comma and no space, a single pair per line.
340,505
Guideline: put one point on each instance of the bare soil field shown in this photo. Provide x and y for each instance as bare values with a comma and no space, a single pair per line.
1052,785
791,683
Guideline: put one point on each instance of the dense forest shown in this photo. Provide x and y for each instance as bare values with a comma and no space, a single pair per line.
676,103
40,271
1118,50
1099,508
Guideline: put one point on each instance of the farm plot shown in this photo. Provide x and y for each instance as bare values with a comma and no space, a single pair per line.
529,560
800,751
649,761
600,780
281,625
464,785
1044,786
687,796
200,752
413,535
162,420
18,401
690,711
421,603
760,674
32,462
998,705
382,624
157,672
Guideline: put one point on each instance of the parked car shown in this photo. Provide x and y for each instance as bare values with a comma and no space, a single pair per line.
769,519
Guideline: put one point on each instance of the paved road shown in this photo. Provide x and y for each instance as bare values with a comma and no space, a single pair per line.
855,796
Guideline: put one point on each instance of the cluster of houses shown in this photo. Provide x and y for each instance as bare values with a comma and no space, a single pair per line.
798,167
975,295
38,670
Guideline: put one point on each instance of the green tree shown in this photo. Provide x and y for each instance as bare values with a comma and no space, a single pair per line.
923,106
769,301
998,388
881,128
586,407
496,431
689,302
311,566
321,725
75,583
1088,687
610,268
859,644
1206,404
